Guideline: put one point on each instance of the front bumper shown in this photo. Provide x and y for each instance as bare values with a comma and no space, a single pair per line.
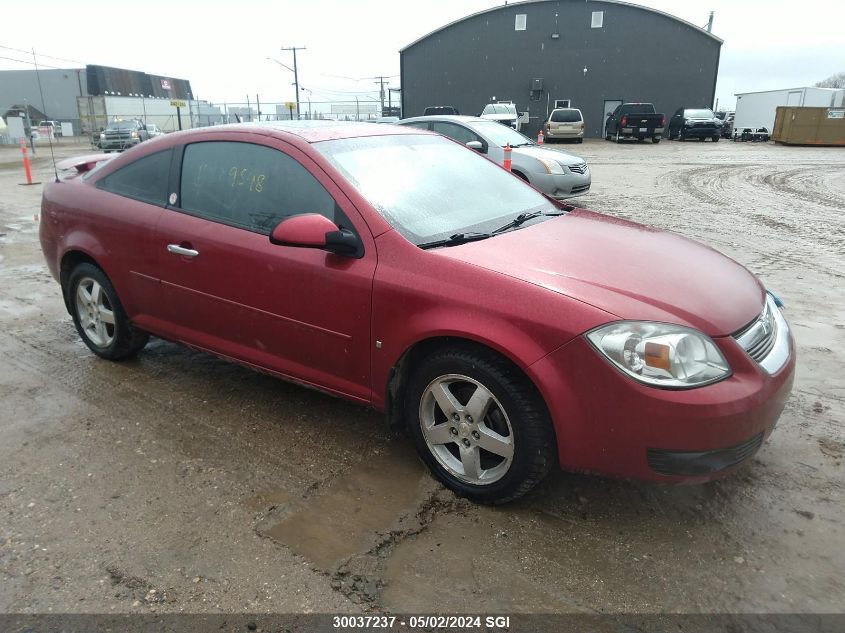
701,132
562,186
118,144
609,424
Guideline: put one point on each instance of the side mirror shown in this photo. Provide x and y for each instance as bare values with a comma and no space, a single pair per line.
312,230
476,145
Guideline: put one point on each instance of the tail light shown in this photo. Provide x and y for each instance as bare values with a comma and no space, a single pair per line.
624,121
663,121
582,125
548,126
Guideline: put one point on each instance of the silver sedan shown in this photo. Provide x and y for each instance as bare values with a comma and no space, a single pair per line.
552,171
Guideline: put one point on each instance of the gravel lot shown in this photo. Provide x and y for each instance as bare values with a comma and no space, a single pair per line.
180,483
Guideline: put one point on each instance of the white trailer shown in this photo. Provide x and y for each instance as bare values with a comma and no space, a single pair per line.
757,109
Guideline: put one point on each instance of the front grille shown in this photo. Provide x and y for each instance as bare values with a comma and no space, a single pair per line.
580,188
580,168
758,338
696,463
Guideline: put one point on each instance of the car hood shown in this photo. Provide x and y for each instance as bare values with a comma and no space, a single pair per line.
536,151
629,270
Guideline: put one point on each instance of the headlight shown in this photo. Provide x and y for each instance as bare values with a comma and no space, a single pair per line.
134,135
660,354
102,135
552,166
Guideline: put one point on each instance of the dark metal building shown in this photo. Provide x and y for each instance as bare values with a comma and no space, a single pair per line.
593,53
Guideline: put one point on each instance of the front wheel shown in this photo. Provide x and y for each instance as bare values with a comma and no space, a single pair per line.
479,425
99,316
715,139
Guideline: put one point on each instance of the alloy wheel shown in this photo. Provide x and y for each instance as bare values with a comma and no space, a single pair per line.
466,429
95,313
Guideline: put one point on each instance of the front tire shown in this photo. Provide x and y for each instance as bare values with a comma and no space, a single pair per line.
99,316
479,425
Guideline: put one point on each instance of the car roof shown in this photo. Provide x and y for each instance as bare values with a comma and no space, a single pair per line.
458,118
309,131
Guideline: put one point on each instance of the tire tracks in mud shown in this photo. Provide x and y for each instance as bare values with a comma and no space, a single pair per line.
796,207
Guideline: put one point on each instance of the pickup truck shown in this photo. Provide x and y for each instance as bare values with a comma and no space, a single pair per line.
634,120
122,134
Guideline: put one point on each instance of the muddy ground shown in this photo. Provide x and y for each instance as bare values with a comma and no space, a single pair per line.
180,483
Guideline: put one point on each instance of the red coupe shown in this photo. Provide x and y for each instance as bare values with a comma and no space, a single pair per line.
505,331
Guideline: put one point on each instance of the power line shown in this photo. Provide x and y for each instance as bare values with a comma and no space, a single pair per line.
64,59
23,61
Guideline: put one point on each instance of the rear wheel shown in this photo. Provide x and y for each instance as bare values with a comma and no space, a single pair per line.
715,139
479,425
579,140
618,136
655,139
99,316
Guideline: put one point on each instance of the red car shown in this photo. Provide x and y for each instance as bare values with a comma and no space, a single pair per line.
396,268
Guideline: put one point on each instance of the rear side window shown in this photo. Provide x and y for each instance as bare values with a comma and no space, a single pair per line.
637,108
250,186
566,116
144,179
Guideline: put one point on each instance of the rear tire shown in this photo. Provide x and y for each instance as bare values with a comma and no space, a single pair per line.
579,140
618,137
655,139
99,316
479,424
715,139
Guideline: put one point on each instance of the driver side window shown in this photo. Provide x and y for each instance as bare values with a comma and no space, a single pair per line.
250,186
454,131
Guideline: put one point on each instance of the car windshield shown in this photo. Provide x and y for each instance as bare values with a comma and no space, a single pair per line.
122,125
499,108
499,134
566,116
429,187
699,114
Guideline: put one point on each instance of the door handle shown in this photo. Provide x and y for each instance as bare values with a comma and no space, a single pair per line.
179,250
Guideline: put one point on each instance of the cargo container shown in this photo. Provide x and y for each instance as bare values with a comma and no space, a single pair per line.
809,126
757,109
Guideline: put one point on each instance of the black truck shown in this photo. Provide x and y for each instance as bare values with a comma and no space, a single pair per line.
634,120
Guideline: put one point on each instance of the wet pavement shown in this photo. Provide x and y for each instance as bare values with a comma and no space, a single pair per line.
178,482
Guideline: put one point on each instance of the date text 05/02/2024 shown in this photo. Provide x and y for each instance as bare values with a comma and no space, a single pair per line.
420,621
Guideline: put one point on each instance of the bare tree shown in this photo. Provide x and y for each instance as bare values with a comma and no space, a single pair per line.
834,81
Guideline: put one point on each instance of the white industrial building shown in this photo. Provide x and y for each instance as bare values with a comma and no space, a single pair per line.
757,109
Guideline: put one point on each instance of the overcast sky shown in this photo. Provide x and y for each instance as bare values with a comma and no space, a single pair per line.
222,47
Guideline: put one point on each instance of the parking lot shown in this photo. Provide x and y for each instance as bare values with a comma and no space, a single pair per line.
178,482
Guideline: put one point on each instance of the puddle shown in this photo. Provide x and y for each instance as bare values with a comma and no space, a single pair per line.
347,516
267,499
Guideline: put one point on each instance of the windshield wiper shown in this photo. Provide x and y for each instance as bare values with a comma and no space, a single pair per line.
522,218
456,239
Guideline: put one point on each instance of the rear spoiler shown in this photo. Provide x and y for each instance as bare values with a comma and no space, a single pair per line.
83,163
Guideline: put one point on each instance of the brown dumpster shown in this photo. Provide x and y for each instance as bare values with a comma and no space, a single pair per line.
809,126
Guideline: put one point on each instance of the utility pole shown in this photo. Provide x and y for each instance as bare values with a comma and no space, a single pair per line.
710,23
380,82
295,73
